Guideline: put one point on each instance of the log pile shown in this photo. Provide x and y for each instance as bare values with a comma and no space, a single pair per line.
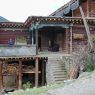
10,69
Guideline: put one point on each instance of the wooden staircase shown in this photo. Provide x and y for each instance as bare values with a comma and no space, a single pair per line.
56,72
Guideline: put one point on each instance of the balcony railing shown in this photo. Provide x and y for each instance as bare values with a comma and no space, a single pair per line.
18,50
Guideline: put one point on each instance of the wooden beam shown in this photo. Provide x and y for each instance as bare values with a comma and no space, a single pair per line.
32,37
36,39
88,8
36,71
67,40
1,77
43,73
86,27
71,35
20,75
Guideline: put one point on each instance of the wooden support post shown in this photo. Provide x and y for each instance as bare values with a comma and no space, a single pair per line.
86,27
71,35
88,8
36,39
20,75
1,77
36,71
67,41
43,72
32,37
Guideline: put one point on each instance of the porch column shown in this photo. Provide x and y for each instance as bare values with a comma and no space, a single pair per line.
36,71
20,75
36,35
71,35
32,37
67,40
43,72
1,77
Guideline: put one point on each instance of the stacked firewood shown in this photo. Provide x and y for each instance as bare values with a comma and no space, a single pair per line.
28,68
10,69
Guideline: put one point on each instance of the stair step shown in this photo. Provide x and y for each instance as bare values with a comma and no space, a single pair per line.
58,69
53,60
60,76
60,79
52,64
59,73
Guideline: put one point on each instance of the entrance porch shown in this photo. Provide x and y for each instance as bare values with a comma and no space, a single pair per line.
52,39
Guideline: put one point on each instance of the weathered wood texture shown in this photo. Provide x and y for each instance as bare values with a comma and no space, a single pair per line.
36,71
83,40
20,75
1,78
59,38
6,35
92,8
76,13
67,40
86,27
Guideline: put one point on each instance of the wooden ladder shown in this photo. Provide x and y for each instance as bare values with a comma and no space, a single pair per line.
86,27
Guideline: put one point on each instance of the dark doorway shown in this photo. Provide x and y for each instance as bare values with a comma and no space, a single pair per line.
52,37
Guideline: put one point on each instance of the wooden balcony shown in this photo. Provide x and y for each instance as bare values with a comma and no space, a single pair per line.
17,50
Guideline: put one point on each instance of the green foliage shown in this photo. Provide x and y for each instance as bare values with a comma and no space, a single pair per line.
38,91
27,85
89,65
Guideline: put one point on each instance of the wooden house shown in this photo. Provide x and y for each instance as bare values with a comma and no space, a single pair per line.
64,31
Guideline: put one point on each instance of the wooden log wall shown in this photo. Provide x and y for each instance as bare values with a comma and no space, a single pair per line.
67,40
78,41
60,39
5,35
44,40
76,13
92,8
1,77
64,40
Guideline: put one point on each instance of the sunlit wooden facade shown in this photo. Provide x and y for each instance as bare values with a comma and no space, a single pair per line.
65,27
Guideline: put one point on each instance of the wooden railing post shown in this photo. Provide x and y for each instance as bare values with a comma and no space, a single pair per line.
43,72
36,71
1,77
20,75
71,39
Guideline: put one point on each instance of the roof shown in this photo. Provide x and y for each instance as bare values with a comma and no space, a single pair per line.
22,58
2,19
12,25
70,6
52,19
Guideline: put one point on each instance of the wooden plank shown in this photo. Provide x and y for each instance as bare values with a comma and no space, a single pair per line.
36,40
43,73
86,28
67,48
20,75
71,35
36,71
87,8
1,77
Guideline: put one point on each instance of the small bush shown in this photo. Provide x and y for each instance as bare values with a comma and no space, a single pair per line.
89,65
27,85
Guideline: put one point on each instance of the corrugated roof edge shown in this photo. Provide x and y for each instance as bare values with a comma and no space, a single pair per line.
61,8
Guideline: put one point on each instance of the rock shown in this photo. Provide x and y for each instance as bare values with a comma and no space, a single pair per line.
82,86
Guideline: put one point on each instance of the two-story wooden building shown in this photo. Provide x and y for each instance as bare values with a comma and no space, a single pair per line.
68,28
